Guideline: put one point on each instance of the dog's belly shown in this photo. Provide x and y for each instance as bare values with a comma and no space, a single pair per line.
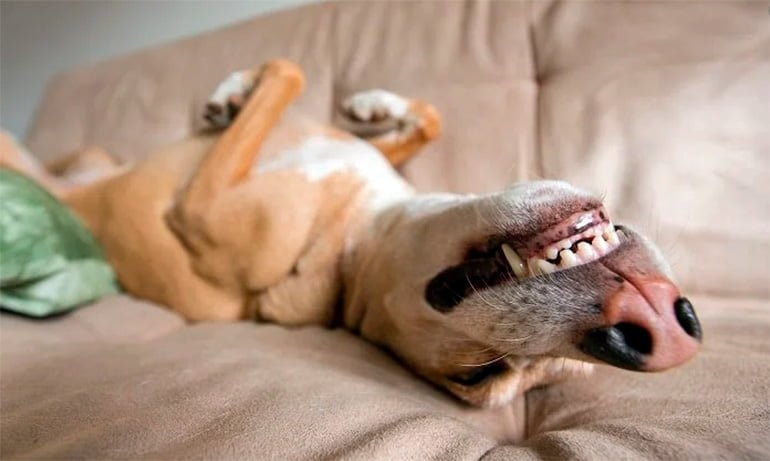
318,156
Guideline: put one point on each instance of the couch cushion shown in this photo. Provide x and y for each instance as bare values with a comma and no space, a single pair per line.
114,320
240,391
236,391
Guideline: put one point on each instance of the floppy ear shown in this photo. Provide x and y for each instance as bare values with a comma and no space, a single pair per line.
309,293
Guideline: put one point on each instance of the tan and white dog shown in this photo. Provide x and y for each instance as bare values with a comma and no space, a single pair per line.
289,221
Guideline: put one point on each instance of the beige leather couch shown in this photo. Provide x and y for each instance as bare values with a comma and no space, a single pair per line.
664,107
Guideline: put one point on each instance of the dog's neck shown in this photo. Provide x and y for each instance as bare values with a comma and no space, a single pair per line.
370,268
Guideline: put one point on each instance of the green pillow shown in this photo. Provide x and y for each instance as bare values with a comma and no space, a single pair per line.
49,262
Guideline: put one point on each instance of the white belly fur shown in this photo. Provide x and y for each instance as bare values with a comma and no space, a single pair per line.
319,156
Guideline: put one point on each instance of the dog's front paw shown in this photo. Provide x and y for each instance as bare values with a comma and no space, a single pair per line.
374,106
227,100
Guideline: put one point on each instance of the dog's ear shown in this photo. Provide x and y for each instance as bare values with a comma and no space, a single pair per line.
309,293
497,383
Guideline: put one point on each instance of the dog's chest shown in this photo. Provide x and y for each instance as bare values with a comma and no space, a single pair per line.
318,156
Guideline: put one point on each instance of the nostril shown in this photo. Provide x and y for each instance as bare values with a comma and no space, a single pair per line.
610,345
687,319
636,337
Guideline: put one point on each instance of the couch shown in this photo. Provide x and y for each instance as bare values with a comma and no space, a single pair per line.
662,107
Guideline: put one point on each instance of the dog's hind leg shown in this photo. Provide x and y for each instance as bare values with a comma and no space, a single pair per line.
398,127
15,157
85,166
63,174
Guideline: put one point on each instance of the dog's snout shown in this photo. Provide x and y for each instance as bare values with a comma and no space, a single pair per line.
651,328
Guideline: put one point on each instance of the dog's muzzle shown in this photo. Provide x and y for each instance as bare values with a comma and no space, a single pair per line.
650,327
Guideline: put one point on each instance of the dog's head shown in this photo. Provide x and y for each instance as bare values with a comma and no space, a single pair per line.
488,296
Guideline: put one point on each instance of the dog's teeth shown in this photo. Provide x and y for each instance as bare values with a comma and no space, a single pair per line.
609,229
620,235
565,244
613,238
552,252
586,252
600,245
568,259
514,260
546,267
534,269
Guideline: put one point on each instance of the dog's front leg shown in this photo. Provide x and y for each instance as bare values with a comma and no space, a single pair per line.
234,153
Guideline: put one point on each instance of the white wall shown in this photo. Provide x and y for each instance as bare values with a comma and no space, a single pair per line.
41,38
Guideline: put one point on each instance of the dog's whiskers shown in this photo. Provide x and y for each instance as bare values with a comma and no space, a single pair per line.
488,362
480,296
512,340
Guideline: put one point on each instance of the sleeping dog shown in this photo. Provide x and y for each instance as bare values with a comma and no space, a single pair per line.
281,219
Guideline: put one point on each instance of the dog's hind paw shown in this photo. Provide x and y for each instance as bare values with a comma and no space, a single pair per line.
228,98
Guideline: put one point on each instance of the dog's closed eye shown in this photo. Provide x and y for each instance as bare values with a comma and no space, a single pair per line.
479,374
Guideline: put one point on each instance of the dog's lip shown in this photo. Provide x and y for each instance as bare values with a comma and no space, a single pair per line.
574,224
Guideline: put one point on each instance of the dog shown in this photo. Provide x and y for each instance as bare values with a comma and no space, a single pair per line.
280,219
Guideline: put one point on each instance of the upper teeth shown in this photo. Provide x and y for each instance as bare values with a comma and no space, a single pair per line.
605,239
568,259
515,261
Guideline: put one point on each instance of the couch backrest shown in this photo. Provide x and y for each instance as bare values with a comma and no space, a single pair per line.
662,107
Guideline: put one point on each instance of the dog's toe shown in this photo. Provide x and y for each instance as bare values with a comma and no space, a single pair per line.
373,112
375,106
224,104
216,115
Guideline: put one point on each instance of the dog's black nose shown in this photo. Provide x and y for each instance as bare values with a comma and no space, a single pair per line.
687,319
623,345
